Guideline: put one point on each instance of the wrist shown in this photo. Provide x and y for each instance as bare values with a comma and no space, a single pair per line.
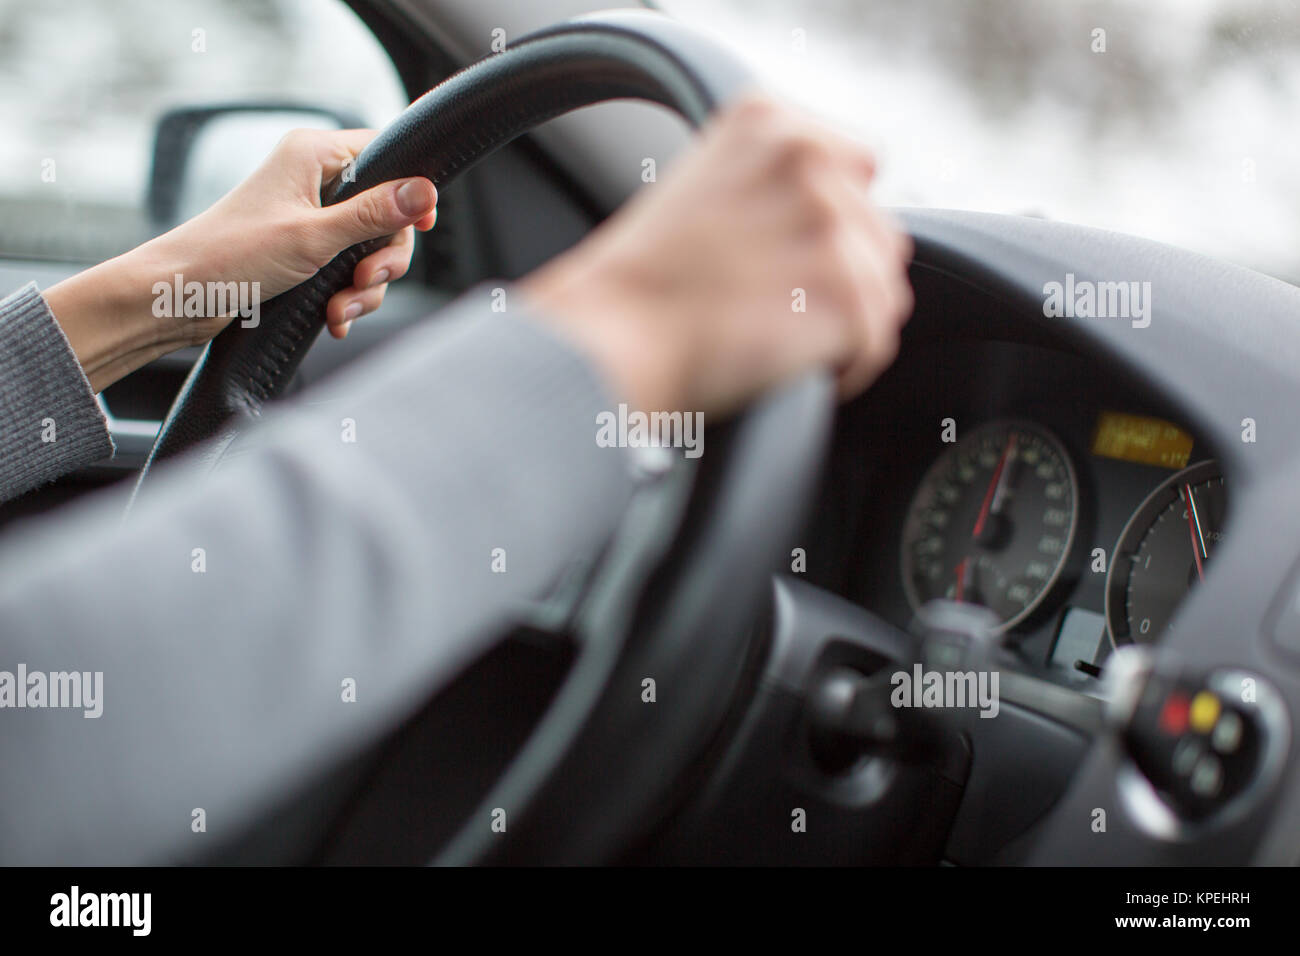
607,318
107,314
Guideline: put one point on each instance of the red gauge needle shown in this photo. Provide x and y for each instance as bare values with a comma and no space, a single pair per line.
997,486
958,594
1194,529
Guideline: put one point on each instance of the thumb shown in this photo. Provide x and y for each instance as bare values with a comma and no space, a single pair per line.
378,212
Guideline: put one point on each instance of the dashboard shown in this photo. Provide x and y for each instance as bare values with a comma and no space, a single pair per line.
1212,379
1027,478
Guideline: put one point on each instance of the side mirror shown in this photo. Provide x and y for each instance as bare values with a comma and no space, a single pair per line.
200,153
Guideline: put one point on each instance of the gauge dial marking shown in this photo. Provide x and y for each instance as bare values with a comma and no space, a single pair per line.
1169,541
1194,526
992,521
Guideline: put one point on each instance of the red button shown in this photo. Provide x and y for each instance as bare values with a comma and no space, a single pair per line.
1173,716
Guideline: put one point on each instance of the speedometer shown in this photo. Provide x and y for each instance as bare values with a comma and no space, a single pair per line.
1162,552
993,521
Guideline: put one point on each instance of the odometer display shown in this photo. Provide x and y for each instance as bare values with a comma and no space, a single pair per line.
993,521
1164,551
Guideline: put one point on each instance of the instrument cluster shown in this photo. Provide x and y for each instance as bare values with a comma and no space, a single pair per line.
994,522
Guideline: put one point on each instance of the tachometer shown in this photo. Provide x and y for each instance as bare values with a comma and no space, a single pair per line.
1162,552
993,521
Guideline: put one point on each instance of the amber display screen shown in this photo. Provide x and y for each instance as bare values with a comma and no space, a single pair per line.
1137,438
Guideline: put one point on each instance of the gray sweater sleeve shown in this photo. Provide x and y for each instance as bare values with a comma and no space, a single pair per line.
50,423
368,545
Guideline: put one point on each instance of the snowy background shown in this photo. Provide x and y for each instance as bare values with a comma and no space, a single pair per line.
1186,129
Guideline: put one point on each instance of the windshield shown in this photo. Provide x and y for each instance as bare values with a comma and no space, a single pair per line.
1173,119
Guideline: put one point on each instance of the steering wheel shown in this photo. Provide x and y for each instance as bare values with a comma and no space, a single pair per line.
678,593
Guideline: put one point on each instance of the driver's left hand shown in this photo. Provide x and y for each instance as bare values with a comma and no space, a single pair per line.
270,229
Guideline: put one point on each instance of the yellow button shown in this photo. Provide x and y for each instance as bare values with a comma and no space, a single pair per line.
1205,711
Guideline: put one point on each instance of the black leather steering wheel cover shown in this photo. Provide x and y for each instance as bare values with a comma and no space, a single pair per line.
617,55
695,623
697,631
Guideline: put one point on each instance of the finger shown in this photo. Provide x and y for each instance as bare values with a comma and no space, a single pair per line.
882,225
387,265
347,306
851,157
425,223
338,149
886,301
867,270
839,246
885,234
378,212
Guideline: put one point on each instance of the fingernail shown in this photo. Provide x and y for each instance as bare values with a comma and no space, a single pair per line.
351,312
346,327
412,198
380,278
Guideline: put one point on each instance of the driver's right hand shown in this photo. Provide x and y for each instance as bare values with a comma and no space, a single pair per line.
690,296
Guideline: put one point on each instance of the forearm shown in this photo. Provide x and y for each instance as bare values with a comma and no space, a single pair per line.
107,312
323,560
267,235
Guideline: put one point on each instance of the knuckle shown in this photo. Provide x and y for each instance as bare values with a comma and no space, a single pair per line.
754,112
824,218
398,268
335,309
906,301
297,139
906,246
865,159
815,157
807,165
792,149
370,214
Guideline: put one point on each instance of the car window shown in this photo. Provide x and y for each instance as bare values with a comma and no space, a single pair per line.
81,108
1172,119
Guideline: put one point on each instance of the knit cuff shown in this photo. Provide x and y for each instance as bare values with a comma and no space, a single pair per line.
50,423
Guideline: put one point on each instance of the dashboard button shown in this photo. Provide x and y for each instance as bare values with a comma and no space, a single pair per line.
1226,736
1173,715
1186,754
1204,712
1207,777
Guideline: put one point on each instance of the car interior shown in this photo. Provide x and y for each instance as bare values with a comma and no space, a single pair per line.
1133,564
